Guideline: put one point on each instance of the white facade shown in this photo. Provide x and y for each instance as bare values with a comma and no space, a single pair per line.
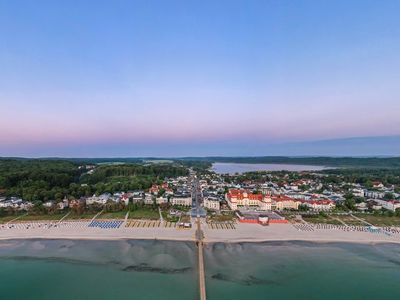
148,199
374,194
389,205
211,203
161,200
358,192
321,205
184,201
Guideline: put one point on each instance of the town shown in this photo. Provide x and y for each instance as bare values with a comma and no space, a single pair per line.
264,198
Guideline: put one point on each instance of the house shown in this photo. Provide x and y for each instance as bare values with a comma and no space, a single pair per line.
237,198
362,206
211,203
161,200
282,202
182,201
357,192
90,200
154,189
102,199
137,196
377,185
63,204
25,205
125,199
389,205
320,205
374,194
74,203
149,198
48,204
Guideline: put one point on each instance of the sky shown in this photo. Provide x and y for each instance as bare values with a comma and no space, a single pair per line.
184,78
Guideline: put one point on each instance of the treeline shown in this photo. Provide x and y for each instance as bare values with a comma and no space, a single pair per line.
197,165
114,178
37,179
365,176
160,171
345,162
43,180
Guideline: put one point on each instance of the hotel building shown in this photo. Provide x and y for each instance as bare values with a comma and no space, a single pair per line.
237,198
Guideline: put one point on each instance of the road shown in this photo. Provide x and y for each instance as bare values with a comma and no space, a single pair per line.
197,198
197,212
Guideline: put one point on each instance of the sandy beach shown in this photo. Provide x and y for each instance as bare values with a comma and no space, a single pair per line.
241,233
286,232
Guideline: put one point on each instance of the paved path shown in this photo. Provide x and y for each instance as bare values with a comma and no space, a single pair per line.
125,220
16,218
340,221
62,219
98,214
361,220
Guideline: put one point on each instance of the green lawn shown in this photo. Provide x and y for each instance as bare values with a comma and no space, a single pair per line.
113,215
84,216
380,220
144,213
54,217
318,219
6,219
167,217
222,218
349,220
185,219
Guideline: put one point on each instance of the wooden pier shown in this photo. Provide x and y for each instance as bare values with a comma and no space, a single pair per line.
202,277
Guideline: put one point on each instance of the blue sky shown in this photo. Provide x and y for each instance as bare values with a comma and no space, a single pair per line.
129,78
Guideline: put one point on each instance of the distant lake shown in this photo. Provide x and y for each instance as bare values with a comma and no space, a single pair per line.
232,168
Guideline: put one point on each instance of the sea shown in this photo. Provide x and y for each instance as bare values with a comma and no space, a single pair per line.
154,269
232,168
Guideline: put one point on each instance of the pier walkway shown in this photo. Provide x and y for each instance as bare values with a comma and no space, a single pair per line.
202,279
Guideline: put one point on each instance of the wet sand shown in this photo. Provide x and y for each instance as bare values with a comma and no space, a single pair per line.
242,233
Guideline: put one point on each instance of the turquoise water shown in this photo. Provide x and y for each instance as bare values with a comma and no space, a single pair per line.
297,270
97,270
57,269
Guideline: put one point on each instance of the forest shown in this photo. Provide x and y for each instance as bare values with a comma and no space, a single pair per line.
42,180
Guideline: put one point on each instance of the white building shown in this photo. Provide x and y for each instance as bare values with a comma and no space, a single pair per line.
161,200
48,204
183,201
148,199
63,204
358,192
389,205
374,194
211,203
102,199
125,199
320,205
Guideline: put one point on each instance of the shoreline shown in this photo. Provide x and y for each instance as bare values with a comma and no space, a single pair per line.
242,233
207,242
